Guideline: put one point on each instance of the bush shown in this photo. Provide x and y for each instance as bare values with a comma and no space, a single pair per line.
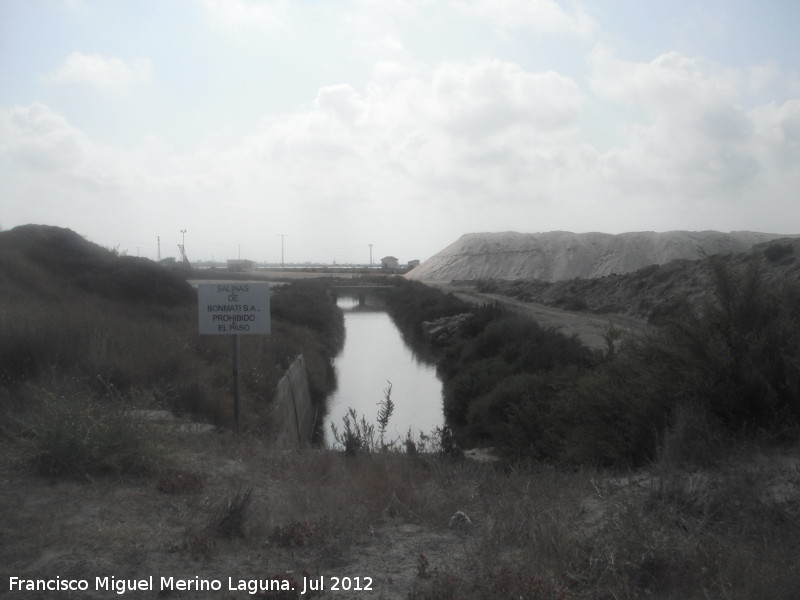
411,303
81,436
612,414
777,251
741,352
506,346
518,404
472,381
734,363
307,303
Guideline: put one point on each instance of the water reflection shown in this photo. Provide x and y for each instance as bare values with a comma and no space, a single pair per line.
374,354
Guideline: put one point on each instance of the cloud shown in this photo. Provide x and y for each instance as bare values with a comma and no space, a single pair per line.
487,98
53,173
106,73
431,153
664,84
546,16
41,139
76,5
462,135
778,131
692,137
44,149
259,14
342,101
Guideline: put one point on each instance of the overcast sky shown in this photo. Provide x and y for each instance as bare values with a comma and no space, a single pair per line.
402,124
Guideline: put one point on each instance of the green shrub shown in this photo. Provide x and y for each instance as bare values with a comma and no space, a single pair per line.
741,352
514,414
507,345
734,363
411,303
573,303
472,381
777,251
307,303
612,414
80,436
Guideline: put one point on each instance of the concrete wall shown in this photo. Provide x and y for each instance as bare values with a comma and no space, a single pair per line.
292,411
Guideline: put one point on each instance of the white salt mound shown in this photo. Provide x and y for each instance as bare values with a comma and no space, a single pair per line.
560,255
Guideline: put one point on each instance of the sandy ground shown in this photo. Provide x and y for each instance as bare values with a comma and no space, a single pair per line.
381,524
77,530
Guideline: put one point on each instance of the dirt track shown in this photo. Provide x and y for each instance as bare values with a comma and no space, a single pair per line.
588,327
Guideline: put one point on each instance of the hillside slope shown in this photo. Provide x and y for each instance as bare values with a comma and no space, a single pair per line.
654,291
44,260
562,255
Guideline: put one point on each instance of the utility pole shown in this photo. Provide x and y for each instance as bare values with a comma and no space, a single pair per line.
183,247
370,255
158,239
282,235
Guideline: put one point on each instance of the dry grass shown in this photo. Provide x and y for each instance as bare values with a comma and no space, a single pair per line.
537,532
183,505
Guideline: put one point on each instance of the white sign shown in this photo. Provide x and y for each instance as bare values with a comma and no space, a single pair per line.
233,307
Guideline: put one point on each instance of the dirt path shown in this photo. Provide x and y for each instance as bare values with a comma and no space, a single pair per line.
588,327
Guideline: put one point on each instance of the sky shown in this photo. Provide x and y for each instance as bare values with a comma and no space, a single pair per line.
339,130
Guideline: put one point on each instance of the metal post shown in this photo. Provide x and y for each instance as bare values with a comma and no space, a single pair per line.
236,382
294,403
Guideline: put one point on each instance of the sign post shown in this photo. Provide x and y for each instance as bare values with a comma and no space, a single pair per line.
233,308
236,382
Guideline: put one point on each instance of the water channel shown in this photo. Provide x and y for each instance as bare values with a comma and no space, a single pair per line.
375,354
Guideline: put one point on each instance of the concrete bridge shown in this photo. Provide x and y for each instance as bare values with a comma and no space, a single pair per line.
359,291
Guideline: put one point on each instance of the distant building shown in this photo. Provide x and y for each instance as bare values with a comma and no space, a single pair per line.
412,264
390,263
240,265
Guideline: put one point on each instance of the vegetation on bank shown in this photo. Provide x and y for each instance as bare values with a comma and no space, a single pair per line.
411,303
725,370
73,361
96,334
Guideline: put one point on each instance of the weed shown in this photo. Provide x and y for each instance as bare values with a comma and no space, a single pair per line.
446,442
357,435
422,567
229,519
385,410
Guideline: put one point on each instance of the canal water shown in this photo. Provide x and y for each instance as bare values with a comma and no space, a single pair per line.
374,355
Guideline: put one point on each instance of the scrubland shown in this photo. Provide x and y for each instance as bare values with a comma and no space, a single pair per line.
664,467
